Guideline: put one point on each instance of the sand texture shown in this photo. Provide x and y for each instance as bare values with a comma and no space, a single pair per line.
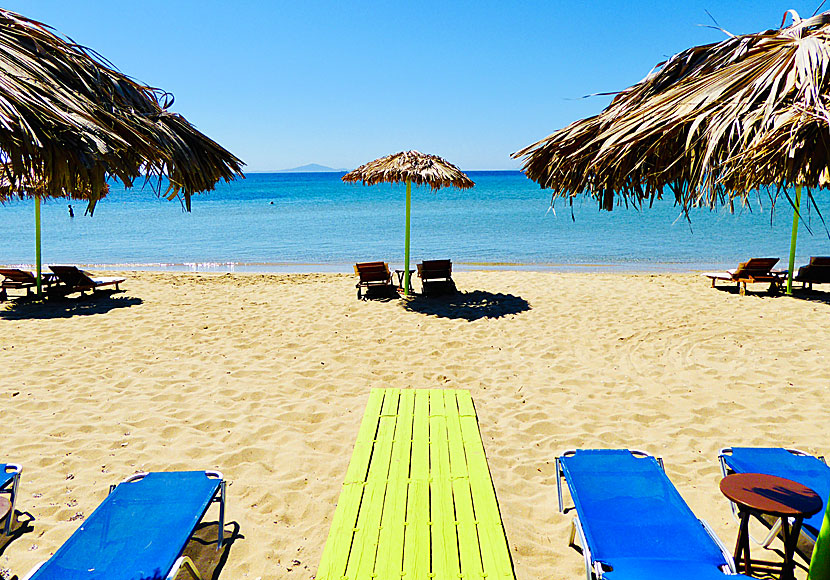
265,377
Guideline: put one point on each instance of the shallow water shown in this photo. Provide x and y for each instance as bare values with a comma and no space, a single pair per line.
314,222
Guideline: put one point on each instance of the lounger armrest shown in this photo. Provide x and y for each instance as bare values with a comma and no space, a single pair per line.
14,468
184,563
730,561
135,477
33,570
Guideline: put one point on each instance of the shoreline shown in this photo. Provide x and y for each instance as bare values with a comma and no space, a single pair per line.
347,268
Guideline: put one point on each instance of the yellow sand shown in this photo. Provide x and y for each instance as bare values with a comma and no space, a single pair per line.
265,377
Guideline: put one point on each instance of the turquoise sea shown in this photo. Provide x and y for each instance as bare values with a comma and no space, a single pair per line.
314,222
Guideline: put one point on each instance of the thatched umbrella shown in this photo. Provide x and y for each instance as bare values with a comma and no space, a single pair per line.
410,167
712,123
69,121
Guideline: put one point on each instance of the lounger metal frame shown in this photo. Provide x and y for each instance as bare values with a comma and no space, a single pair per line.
11,489
594,570
776,527
183,562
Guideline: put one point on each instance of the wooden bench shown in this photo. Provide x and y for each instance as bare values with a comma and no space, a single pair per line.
418,502
372,275
815,272
73,279
753,270
436,275
14,279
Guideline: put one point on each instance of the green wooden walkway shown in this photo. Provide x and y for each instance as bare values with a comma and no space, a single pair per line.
418,502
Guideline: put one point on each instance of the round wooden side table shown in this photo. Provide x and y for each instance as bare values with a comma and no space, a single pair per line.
759,494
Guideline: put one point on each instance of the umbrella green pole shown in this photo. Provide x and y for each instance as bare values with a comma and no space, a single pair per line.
793,239
406,252
37,245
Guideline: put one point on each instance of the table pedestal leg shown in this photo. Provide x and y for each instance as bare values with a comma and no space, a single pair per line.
742,545
790,537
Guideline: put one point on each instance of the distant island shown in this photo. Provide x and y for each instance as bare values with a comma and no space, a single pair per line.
311,168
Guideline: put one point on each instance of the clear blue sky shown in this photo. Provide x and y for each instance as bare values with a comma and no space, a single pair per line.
283,84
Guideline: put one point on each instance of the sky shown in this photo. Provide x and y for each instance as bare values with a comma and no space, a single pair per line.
283,84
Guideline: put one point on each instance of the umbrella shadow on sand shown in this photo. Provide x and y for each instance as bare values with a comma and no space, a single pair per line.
818,296
470,306
100,303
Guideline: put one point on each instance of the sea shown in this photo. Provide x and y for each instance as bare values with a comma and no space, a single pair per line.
310,222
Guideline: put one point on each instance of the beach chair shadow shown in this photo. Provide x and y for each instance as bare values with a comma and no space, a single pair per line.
22,526
202,548
469,306
67,307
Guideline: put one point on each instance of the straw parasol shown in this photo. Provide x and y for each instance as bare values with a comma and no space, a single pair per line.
710,124
69,121
410,167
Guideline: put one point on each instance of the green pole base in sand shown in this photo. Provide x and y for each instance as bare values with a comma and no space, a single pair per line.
406,251
37,247
793,239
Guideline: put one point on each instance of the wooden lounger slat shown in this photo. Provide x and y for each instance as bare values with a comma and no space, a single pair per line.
445,563
366,534
416,554
391,539
496,560
333,562
468,538
426,507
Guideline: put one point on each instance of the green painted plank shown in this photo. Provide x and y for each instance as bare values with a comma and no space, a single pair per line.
418,502
364,545
495,552
389,564
416,548
336,552
445,563
468,543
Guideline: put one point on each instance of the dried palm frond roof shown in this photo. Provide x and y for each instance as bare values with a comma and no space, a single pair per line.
19,186
69,120
413,166
711,123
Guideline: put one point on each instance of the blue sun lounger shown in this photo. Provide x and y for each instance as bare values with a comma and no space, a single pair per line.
9,478
140,530
790,464
632,523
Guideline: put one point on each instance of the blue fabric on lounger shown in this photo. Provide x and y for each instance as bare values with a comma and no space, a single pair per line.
635,521
805,469
138,531
5,477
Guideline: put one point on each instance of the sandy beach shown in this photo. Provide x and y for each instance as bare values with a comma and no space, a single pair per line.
265,377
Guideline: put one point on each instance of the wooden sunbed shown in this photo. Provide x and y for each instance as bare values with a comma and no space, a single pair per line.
436,276
373,275
418,501
753,270
817,271
72,279
15,279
